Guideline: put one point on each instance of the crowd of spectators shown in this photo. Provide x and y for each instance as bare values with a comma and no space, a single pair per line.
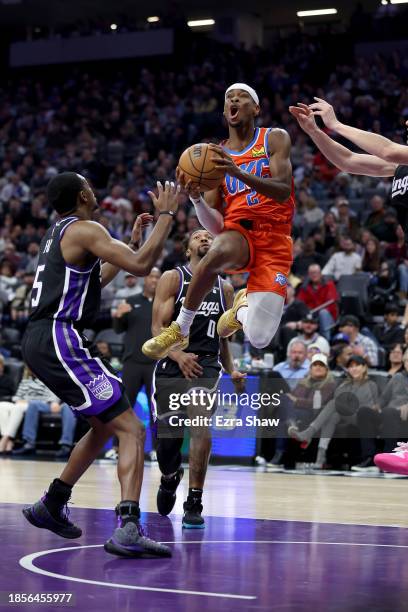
126,129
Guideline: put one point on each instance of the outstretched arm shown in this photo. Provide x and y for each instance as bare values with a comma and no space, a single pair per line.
91,237
279,186
368,141
337,154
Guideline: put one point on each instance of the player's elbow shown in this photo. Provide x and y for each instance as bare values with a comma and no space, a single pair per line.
389,152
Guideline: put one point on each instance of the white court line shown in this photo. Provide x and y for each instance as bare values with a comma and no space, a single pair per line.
27,563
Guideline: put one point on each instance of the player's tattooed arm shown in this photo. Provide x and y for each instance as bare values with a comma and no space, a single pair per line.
164,300
375,144
340,156
279,186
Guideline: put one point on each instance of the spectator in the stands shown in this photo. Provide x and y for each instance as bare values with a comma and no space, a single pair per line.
340,356
346,220
382,289
356,392
377,213
296,365
33,398
398,252
386,230
132,286
7,425
20,305
306,258
345,261
395,358
303,403
394,403
372,256
361,345
390,332
318,293
308,333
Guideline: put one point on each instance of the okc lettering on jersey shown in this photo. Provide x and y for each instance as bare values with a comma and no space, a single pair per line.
206,308
256,167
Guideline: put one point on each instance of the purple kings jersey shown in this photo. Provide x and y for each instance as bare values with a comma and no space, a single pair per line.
62,292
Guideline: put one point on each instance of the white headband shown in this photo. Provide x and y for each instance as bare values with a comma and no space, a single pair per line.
246,88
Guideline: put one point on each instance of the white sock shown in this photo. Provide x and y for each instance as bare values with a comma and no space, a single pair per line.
242,315
185,319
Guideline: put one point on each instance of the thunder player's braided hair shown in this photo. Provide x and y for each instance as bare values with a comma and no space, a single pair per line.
62,192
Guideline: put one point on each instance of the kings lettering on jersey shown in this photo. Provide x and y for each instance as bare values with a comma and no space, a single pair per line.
243,202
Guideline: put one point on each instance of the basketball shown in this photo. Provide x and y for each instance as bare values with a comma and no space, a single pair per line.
196,164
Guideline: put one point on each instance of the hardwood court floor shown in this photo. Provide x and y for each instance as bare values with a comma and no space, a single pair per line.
235,493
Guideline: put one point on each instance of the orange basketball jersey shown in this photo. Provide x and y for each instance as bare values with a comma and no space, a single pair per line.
242,202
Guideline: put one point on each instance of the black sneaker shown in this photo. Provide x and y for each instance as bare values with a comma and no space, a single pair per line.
192,518
166,495
64,452
130,541
27,449
39,516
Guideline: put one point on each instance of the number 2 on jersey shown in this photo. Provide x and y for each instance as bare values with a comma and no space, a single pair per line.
37,286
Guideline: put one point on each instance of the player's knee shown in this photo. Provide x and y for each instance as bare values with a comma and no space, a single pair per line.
260,337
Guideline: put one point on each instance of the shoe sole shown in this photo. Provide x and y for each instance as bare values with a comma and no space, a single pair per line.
121,551
369,469
189,526
31,518
174,494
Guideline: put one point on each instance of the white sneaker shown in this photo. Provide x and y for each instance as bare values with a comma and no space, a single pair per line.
111,454
260,460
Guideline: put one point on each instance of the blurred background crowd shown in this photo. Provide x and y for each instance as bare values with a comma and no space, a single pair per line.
124,129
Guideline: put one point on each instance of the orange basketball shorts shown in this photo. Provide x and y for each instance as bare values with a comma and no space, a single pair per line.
270,258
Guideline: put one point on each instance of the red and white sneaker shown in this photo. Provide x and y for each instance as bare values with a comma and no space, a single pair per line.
396,462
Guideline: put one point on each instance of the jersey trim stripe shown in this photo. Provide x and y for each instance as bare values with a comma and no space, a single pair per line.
72,220
181,283
248,148
266,145
222,296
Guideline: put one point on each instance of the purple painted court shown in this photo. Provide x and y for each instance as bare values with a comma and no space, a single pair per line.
234,564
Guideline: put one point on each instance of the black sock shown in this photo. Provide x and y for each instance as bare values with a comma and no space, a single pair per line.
128,511
195,494
57,496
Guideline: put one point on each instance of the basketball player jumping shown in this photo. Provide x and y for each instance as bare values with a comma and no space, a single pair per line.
65,300
252,231
182,371
386,158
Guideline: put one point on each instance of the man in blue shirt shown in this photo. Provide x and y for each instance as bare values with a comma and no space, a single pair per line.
296,365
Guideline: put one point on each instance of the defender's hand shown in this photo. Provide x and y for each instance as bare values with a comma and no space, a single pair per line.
167,198
141,222
187,363
326,112
238,378
304,116
122,309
